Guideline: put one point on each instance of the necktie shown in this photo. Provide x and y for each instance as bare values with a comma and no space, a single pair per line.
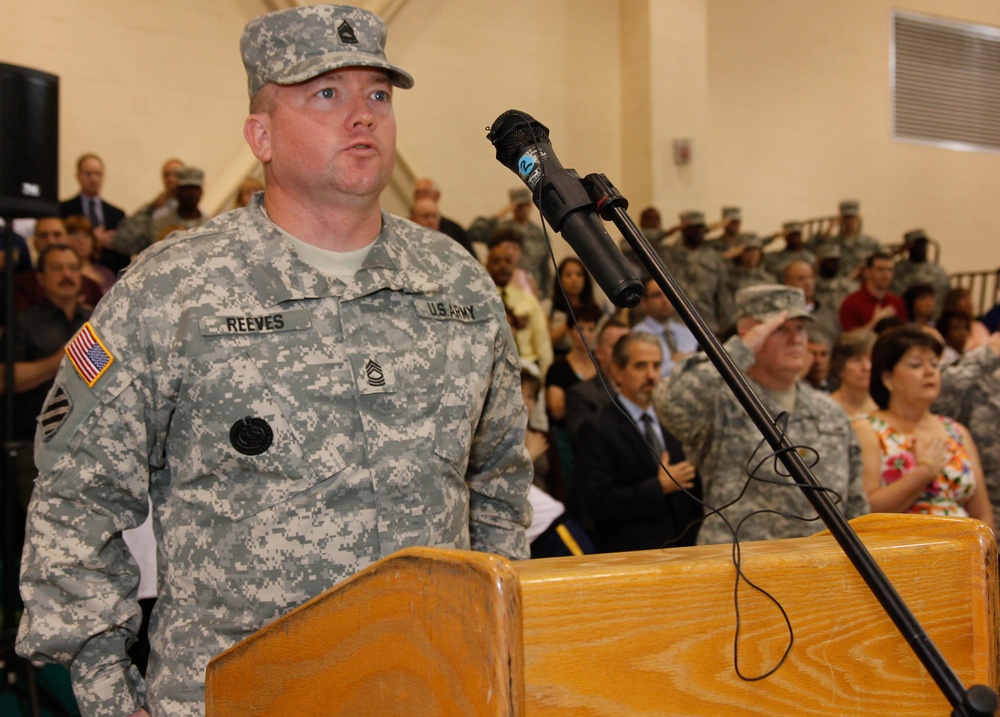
668,336
92,212
649,431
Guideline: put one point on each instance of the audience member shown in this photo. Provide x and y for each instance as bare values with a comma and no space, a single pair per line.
953,329
831,287
427,189
873,301
424,211
921,306
535,249
915,269
83,240
650,224
970,394
590,396
676,340
531,331
795,250
574,366
166,200
720,439
746,267
916,461
246,189
553,533
27,289
817,374
960,300
800,274
701,273
573,292
851,369
640,490
103,216
150,226
855,247
38,335
729,242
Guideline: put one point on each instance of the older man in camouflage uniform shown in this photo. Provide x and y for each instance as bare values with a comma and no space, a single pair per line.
719,438
302,387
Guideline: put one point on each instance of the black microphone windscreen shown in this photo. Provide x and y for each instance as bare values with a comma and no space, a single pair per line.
513,131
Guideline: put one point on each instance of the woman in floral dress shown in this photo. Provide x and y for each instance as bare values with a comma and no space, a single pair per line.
916,461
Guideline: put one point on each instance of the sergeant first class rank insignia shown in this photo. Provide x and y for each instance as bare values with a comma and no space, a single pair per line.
88,355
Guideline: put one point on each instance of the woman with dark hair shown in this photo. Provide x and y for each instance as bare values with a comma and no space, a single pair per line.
921,304
579,290
955,328
959,299
916,461
851,370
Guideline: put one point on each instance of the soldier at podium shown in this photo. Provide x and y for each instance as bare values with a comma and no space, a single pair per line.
301,387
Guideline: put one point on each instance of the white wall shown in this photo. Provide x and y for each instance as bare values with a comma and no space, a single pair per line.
799,117
786,101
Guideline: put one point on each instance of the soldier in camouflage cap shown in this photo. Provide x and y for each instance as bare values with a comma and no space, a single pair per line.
917,268
300,387
696,406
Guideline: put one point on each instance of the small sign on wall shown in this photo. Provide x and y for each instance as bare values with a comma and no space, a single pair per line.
682,151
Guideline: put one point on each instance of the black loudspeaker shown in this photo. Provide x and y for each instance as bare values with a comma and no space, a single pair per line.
29,142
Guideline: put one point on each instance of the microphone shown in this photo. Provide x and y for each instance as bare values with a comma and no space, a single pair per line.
522,145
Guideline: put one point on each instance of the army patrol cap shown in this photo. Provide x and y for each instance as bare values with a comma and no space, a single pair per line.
190,177
751,241
828,250
792,227
295,45
519,196
849,208
765,301
731,214
691,219
914,236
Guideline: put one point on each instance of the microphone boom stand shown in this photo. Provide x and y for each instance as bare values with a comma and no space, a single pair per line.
978,700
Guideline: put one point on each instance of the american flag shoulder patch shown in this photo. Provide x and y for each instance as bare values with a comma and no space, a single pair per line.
55,411
88,355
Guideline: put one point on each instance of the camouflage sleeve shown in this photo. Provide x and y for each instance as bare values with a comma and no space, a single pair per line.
500,471
78,580
687,405
134,233
856,501
725,307
481,229
959,378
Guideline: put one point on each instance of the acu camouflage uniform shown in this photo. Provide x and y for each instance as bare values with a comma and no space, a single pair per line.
970,394
854,250
719,438
290,429
907,273
703,275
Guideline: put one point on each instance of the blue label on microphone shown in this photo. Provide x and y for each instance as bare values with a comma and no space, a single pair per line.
525,165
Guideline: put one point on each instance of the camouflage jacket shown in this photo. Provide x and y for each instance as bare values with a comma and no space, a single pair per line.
290,429
719,438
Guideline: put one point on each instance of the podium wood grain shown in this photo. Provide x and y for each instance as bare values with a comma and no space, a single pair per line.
440,632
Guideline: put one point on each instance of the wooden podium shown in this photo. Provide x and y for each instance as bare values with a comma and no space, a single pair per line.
443,632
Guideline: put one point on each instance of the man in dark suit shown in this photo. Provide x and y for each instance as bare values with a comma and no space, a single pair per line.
586,398
103,216
639,489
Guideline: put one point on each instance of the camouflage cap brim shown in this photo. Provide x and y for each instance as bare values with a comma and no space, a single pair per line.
314,67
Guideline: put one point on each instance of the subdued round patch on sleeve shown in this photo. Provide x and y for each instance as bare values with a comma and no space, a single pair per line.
55,411
251,436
